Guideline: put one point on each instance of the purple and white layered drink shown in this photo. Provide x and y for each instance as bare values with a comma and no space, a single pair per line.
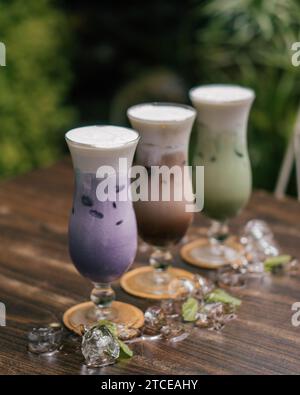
102,234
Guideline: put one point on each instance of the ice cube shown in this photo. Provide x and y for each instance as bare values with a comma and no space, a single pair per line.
230,277
45,340
171,307
126,333
174,331
257,229
202,320
182,287
259,242
204,286
215,315
154,318
99,347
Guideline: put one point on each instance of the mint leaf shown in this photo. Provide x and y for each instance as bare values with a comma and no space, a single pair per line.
125,351
275,262
190,309
109,325
219,295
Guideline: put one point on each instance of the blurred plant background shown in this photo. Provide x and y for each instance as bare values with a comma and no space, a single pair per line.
33,85
74,62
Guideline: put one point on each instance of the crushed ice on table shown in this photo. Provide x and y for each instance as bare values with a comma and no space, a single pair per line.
228,276
171,307
198,286
182,287
214,316
204,286
99,347
257,229
259,243
167,318
174,331
126,333
45,340
202,320
260,246
155,318
164,322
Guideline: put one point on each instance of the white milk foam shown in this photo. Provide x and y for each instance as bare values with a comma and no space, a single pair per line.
102,136
152,112
220,94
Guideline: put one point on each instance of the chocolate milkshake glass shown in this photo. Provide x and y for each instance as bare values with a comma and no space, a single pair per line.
222,119
165,131
102,234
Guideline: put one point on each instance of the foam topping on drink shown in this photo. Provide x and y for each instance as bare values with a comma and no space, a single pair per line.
221,93
153,112
102,136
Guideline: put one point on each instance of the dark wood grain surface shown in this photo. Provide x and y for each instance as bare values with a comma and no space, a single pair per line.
38,283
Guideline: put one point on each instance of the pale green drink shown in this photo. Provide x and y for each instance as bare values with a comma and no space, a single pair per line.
227,171
221,148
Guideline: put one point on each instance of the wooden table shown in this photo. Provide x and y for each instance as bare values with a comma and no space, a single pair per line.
38,283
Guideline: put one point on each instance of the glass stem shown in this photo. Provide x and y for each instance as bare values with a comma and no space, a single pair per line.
102,296
218,233
160,260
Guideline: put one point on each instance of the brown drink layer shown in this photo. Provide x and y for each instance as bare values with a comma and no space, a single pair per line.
162,223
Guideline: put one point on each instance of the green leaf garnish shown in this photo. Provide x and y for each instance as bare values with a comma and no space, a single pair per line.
125,351
190,309
219,295
109,325
275,262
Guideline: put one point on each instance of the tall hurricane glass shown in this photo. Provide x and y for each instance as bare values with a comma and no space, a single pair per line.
221,148
102,234
165,131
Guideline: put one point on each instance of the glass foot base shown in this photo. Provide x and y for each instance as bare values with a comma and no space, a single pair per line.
202,254
94,314
214,256
83,314
145,283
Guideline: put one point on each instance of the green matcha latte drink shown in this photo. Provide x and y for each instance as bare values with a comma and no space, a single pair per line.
223,112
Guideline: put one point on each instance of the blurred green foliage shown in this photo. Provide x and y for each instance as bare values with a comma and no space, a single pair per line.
248,42
245,42
33,85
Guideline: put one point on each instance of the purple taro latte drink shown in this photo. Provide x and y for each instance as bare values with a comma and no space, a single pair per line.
102,234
